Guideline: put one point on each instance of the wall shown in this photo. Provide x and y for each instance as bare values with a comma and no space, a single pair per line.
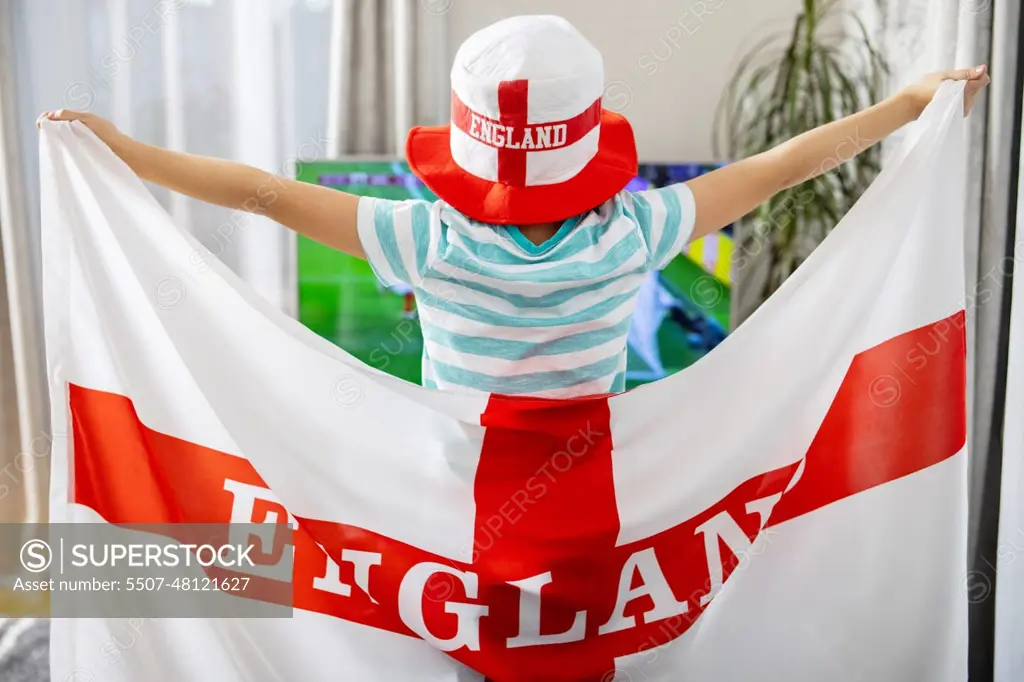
666,62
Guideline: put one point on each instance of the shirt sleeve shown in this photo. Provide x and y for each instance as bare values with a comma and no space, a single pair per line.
397,237
666,217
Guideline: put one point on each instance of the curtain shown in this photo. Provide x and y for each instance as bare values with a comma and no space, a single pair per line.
368,104
24,411
12,503
238,79
389,71
11,506
1009,597
992,288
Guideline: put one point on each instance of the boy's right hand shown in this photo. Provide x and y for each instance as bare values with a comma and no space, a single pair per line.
921,93
101,127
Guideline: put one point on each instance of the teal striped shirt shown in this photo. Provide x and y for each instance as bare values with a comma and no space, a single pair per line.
503,315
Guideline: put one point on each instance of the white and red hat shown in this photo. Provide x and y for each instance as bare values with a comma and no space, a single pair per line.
528,140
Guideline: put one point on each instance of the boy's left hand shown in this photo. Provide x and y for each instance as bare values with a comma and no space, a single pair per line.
921,92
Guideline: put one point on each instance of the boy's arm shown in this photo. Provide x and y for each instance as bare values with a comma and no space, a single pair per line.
725,195
320,213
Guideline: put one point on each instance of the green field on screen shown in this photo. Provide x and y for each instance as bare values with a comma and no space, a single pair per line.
339,296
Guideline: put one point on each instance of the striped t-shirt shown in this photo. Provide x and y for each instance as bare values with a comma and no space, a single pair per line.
502,315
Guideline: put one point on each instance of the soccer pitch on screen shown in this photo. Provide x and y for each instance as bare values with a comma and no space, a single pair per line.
341,299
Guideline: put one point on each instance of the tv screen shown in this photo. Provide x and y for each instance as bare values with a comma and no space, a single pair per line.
682,312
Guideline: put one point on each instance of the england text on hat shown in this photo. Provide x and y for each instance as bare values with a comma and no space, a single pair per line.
528,137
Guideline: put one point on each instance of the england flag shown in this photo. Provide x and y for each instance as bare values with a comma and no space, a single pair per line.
792,507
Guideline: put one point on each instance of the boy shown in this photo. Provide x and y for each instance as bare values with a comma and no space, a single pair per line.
527,271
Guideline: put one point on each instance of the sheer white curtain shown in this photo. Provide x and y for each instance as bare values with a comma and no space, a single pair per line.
23,422
238,79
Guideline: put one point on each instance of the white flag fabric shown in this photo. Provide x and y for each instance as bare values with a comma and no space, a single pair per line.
792,507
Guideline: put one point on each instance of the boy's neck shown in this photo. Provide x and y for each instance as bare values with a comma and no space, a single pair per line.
538,233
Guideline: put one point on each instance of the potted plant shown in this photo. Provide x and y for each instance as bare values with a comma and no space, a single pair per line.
824,68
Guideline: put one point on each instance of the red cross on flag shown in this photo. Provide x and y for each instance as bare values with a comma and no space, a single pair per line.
792,507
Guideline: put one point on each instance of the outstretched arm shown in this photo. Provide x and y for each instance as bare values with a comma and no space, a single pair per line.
323,214
725,195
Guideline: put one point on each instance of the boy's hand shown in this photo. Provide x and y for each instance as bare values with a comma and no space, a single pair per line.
102,128
728,193
921,92
320,213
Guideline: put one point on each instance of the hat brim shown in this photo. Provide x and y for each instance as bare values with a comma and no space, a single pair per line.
428,152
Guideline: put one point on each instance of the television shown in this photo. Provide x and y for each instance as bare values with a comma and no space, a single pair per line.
682,311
